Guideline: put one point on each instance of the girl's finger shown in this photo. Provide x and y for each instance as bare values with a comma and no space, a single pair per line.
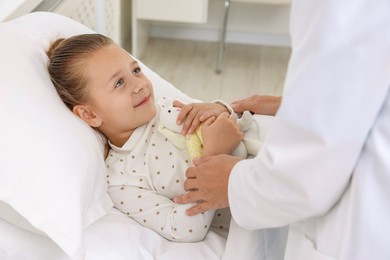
177,103
183,114
209,121
206,115
195,123
188,122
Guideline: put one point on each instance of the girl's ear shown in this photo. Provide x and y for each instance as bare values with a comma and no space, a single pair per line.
86,114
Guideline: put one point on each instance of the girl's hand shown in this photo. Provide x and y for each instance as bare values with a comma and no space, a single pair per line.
264,105
221,136
192,115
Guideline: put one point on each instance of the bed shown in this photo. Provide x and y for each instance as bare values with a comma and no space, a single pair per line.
53,199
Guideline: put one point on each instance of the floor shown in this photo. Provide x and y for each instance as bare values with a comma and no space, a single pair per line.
190,66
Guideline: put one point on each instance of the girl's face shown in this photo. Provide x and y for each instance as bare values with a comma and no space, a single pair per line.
119,95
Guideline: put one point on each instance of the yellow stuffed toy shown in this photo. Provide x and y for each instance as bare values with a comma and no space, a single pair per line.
193,144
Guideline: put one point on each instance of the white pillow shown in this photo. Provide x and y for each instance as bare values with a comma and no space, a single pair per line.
52,169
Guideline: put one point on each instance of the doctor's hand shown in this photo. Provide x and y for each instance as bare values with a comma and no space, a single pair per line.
207,183
192,115
257,104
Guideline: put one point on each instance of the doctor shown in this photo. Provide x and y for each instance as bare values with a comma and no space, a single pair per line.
325,167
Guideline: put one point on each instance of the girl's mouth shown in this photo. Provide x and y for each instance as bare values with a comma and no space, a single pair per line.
144,101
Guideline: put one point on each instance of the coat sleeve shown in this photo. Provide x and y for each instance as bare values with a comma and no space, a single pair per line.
337,80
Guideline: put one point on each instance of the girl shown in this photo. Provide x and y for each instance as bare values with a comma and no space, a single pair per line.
103,85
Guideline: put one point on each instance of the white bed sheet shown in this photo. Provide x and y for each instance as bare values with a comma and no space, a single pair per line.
115,236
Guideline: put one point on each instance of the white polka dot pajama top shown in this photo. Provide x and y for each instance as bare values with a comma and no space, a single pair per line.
144,176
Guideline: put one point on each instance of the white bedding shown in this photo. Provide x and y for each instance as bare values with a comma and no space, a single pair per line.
113,236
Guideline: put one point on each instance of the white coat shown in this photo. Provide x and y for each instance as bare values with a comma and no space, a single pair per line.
325,167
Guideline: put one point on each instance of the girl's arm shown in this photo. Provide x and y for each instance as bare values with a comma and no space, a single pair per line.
160,214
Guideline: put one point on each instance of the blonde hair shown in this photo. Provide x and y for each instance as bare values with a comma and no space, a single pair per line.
66,65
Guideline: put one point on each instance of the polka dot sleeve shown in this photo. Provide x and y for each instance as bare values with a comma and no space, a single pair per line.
160,213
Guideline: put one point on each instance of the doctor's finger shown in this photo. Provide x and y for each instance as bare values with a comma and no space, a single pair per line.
199,208
192,172
237,107
244,105
190,184
189,197
243,100
200,160
240,106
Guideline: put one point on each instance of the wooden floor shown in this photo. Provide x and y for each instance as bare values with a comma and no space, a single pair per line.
190,66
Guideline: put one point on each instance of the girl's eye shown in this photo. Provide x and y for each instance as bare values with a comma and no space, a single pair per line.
119,83
136,71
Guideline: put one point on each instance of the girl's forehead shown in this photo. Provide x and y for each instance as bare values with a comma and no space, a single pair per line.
113,49
110,55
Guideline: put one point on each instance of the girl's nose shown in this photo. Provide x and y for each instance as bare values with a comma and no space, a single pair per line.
140,85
